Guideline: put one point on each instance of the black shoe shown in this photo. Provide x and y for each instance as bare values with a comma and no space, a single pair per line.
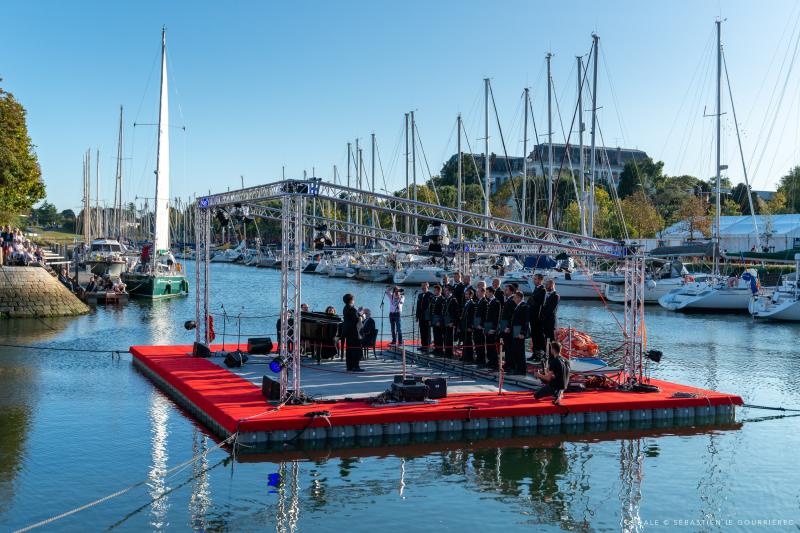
358,370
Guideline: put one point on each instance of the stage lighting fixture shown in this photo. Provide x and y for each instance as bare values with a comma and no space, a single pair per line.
654,355
278,364
190,325
223,217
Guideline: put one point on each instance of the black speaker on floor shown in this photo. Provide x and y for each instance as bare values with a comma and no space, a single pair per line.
259,346
437,388
200,350
271,389
235,359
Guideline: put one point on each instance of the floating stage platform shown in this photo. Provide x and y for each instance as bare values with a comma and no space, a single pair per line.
344,413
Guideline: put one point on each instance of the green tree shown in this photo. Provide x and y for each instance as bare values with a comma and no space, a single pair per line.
21,183
449,172
790,187
46,215
739,195
68,220
776,204
695,213
641,216
644,175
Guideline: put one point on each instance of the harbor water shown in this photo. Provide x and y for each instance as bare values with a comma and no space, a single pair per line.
77,426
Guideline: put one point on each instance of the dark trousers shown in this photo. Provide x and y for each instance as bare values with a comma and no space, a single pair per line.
425,333
438,339
516,357
491,350
397,328
548,390
537,336
353,354
548,330
449,340
467,351
479,338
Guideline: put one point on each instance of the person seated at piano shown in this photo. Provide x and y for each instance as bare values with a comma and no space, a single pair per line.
331,310
369,333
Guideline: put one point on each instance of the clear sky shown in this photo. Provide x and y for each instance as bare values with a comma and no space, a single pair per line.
260,85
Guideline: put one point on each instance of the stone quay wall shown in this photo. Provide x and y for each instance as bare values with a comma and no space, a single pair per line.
27,292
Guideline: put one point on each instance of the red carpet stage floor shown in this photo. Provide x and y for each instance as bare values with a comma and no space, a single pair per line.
227,403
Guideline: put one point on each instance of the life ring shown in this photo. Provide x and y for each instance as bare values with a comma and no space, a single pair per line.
732,282
688,279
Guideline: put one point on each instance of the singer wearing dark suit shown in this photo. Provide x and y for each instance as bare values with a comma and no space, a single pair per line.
350,333
490,326
549,314
535,303
437,320
451,314
423,315
504,328
519,332
478,333
467,323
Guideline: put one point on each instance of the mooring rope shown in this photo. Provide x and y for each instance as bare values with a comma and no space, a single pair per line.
769,408
173,470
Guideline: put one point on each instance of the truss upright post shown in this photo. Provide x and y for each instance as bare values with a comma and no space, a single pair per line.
202,228
292,211
633,323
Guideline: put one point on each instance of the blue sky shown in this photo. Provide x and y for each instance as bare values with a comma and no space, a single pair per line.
260,85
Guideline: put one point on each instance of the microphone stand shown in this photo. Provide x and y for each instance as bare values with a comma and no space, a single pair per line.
382,299
224,324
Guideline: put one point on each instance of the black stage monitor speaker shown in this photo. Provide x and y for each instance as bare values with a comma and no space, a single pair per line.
271,389
437,388
409,393
200,350
235,359
259,345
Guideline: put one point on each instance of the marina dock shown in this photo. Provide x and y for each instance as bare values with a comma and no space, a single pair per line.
229,401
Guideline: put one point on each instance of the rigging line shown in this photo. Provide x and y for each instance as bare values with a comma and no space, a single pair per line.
777,107
568,152
505,152
741,151
612,186
396,155
425,158
472,157
689,87
380,166
683,147
622,126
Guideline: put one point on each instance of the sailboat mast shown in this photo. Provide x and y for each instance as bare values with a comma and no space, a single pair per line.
460,204
593,152
161,237
523,215
349,211
98,221
486,174
549,143
581,162
414,168
719,167
118,184
408,191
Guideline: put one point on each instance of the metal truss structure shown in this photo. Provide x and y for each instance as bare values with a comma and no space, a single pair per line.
633,325
501,236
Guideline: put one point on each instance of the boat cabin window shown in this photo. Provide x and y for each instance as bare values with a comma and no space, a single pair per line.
106,248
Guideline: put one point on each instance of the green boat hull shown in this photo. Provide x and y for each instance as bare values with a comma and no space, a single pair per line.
155,287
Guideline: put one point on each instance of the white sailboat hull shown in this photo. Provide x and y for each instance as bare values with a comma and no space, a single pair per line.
705,297
787,308
415,276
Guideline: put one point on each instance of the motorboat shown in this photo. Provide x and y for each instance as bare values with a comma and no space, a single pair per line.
416,269
715,293
340,266
105,257
374,268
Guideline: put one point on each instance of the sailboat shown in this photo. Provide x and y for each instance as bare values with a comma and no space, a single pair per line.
718,293
158,275
783,303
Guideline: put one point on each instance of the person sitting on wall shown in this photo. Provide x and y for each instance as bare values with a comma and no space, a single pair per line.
556,378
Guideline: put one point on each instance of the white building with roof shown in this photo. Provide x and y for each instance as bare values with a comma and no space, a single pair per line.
777,232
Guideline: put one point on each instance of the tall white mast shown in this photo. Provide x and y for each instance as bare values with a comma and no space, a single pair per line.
581,162
408,190
98,224
349,211
459,190
161,237
593,153
549,143
486,173
118,184
414,168
524,214
719,167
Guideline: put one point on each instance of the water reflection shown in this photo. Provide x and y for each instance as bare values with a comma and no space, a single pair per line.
159,416
631,472
200,499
